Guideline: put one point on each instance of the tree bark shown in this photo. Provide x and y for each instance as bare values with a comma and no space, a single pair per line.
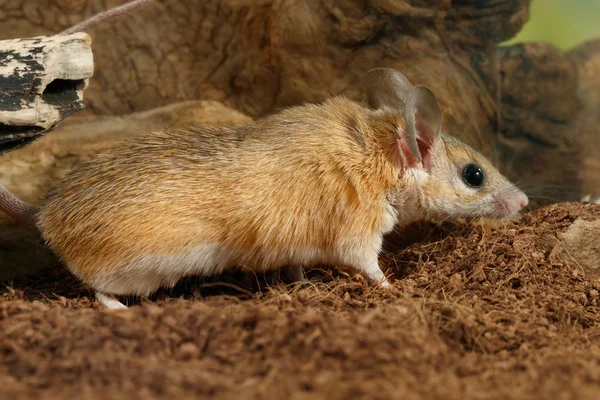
42,80
527,107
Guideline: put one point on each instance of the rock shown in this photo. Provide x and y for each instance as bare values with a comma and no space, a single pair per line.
581,246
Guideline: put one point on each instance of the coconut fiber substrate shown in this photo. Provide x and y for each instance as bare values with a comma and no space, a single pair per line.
475,312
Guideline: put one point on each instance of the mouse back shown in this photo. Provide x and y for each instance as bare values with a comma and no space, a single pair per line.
299,181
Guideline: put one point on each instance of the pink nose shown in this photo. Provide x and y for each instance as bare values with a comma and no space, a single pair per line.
523,201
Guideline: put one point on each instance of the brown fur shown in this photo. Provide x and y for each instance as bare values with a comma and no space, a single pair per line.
285,181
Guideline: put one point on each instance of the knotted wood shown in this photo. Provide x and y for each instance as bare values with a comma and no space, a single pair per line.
42,80
523,106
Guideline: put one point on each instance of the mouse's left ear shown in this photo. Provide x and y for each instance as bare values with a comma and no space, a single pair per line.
386,87
423,116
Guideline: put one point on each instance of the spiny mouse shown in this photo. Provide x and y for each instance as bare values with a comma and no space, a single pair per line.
312,184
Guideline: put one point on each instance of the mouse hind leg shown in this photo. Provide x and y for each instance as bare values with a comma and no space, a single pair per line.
295,274
109,301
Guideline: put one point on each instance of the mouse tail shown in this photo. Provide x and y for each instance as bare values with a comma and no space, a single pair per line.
16,208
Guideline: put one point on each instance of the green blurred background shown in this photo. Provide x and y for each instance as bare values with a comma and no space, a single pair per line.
563,23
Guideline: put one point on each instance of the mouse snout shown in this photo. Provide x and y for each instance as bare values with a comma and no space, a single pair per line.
511,200
518,202
523,201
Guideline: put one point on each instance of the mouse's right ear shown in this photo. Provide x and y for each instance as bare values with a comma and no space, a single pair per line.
424,118
386,87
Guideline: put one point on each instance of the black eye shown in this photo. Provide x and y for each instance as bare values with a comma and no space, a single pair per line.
473,175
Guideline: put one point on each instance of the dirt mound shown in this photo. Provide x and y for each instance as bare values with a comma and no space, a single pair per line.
475,312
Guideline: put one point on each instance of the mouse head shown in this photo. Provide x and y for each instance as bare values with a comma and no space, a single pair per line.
453,179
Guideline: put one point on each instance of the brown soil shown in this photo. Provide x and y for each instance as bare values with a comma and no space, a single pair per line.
475,313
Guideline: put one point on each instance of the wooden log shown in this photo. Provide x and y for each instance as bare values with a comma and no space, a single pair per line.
42,80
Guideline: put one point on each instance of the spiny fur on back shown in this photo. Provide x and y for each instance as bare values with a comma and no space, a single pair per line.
286,181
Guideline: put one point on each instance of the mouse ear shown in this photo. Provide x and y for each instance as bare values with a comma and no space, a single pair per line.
423,116
386,87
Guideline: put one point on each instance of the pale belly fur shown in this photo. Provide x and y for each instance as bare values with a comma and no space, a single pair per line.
148,273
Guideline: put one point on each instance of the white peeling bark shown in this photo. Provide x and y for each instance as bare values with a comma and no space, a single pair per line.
42,80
